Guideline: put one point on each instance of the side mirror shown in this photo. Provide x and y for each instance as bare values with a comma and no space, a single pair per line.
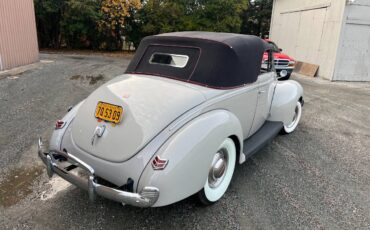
280,49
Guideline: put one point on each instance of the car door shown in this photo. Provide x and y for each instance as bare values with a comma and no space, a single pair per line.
266,85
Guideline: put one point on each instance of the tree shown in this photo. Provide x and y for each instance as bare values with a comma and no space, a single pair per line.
79,23
257,18
49,13
161,16
221,15
113,22
102,24
96,24
70,23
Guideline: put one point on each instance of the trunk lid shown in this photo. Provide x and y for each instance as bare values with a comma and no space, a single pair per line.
149,105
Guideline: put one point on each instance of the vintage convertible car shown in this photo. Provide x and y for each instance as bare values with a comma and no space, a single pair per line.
190,106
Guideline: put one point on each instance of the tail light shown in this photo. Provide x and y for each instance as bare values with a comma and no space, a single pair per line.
159,164
59,124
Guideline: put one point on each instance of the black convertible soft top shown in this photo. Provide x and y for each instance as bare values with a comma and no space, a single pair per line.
217,60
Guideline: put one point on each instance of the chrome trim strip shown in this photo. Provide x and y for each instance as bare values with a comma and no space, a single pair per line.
186,57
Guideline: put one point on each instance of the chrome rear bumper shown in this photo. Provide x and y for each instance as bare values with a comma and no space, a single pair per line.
146,198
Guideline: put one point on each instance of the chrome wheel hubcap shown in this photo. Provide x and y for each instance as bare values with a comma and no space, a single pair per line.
218,169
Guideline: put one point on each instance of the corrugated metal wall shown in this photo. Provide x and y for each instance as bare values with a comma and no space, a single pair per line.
353,61
18,36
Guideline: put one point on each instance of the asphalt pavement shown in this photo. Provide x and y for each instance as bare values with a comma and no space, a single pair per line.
316,178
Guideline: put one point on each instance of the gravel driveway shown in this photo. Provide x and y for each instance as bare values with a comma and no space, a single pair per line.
316,178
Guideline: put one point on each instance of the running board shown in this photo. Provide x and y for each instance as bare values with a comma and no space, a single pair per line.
263,136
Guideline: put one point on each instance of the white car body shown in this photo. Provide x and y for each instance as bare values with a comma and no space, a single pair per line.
176,123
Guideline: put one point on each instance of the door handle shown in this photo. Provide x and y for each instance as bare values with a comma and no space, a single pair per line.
261,91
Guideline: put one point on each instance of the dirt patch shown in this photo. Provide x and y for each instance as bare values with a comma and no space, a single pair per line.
76,77
91,79
94,79
17,185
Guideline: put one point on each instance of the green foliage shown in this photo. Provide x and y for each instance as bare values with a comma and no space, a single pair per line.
257,18
93,24
69,23
79,23
113,24
101,24
221,15
203,15
49,13
161,16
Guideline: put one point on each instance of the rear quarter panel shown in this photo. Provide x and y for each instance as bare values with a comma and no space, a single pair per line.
57,136
190,152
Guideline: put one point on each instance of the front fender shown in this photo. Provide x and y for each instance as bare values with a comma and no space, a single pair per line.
286,95
189,153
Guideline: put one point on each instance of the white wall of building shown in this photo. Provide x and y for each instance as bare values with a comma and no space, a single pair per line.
353,60
309,31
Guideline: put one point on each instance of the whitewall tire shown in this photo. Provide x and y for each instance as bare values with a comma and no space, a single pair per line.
220,173
289,128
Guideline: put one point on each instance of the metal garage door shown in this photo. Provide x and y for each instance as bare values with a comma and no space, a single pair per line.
354,55
301,33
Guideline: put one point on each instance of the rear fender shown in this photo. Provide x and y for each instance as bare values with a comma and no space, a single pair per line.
189,153
286,95
56,137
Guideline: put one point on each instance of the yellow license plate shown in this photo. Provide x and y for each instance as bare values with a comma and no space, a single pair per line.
108,112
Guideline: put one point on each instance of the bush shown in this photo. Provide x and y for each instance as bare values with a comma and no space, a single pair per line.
102,24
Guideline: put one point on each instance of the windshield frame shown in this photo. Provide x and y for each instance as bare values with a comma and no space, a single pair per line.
275,48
